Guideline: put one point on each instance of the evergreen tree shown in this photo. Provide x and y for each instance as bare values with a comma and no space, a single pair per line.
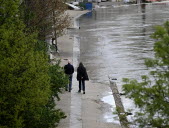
24,80
49,117
58,79
26,94
151,95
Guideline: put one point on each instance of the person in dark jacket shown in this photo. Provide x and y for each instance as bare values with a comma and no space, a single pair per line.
82,76
69,70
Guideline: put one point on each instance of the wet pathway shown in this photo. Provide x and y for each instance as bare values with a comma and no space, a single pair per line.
76,102
115,41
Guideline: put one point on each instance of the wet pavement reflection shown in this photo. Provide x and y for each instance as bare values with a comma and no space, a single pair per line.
115,41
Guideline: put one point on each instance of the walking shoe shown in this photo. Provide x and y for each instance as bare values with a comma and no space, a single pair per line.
70,89
79,91
83,92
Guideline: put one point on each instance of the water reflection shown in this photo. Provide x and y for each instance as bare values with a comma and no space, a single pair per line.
115,41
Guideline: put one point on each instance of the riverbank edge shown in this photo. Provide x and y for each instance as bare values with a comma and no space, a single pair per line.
92,108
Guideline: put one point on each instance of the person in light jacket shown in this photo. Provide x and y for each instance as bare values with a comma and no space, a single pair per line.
82,76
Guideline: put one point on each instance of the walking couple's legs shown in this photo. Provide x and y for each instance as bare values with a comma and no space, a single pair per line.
70,82
82,82
69,86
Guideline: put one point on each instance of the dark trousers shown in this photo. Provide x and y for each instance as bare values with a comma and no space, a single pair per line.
82,84
69,86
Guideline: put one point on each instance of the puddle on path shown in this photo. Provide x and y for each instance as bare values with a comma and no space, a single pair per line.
111,116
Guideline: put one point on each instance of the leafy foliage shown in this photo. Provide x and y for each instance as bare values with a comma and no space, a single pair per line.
58,79
27,90
23,75
152,95
47,16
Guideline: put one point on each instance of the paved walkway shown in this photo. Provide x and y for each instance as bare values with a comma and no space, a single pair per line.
76,102
82,110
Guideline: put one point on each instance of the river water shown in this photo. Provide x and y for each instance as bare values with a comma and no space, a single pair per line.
115,41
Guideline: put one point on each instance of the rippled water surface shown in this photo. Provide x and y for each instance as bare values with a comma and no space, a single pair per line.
115,41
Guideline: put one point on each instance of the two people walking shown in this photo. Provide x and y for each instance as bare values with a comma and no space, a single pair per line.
81,76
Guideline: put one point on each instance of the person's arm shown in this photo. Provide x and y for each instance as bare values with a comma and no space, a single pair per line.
86,75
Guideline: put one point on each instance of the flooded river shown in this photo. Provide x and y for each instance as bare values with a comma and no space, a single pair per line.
115,41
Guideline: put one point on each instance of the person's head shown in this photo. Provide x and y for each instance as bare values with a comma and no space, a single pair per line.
81,64
69,62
